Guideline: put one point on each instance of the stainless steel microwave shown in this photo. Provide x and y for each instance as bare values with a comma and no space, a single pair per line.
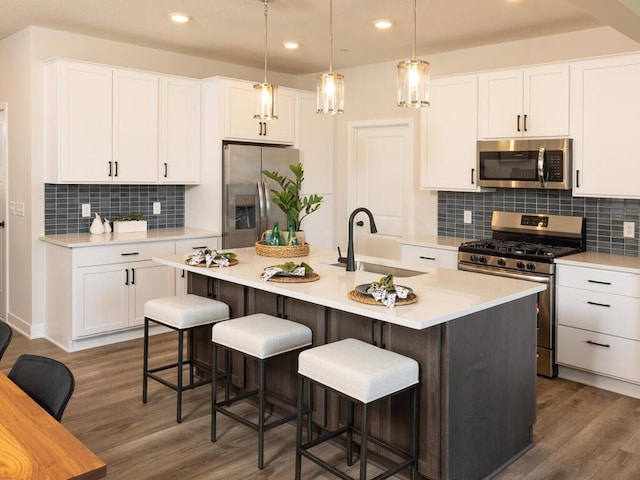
543,163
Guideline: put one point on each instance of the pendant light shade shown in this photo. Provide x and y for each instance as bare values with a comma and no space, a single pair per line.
265,93
330,85
413,77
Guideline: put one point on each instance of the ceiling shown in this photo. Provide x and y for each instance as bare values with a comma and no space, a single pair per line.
233,30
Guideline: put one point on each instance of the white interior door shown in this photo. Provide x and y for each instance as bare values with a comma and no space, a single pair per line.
381,169
4,156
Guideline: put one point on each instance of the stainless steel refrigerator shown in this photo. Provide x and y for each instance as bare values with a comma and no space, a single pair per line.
247,207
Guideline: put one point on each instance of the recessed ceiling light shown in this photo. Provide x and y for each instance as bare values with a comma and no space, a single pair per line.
291,45
383,24
180,17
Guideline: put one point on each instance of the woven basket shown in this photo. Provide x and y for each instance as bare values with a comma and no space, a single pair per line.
284,251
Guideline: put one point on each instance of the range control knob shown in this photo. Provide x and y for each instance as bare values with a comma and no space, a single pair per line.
474,258
502,262
483,259
520,264
531,266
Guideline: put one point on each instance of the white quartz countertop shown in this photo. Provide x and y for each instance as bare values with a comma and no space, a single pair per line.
443,294
606,261
73,240
435,241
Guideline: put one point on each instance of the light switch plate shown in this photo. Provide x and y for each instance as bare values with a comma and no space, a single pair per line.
629,230
12,207
467,216
20,209
86,209
156,208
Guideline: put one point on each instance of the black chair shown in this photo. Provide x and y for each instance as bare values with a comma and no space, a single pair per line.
5,337
47,381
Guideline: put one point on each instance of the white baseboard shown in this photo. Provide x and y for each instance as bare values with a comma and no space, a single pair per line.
599,381
108,338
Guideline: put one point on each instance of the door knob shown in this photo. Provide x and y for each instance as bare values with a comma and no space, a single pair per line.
360,223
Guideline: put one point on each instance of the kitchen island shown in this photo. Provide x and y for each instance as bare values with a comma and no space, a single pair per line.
473,335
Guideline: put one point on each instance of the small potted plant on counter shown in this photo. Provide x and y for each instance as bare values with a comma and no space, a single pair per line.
129,223
294,205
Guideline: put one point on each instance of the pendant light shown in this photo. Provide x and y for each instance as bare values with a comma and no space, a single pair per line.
413,77
265,93
330,85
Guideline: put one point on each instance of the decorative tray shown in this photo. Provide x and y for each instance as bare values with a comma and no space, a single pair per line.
369,300
310,277
204,264
382,293
284,251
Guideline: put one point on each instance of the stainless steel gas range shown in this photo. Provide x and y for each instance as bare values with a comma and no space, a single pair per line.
524,246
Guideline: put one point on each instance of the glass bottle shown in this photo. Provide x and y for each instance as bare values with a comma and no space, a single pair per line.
275,235
291,238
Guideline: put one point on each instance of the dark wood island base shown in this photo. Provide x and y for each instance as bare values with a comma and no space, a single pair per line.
478,376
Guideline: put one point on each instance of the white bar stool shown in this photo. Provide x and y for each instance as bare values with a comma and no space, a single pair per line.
258,336
182,313
363,374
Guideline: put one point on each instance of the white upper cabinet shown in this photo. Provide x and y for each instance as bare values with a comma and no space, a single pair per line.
605,125
239,123
179,159
449,134
79,119
105,124
135,127
530,102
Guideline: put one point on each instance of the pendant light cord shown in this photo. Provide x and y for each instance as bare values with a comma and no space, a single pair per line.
266,8
414,29
330,36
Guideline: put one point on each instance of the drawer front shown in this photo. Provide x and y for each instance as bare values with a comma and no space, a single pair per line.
599,312
607,355
426,256
122,253
193,244
599,280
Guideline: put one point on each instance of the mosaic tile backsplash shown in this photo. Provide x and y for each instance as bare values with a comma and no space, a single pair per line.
63,205
604,216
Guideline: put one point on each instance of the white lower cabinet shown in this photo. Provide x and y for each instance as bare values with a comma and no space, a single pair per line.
598,314
430,256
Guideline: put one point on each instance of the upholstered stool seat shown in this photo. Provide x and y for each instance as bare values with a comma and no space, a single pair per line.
363,374
261,337
182,313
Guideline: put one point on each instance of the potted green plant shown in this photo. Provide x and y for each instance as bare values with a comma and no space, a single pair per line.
288,198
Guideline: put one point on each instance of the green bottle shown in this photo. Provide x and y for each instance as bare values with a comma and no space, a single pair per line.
291,239
275,235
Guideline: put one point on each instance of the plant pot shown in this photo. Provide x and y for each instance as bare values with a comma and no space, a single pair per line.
129,226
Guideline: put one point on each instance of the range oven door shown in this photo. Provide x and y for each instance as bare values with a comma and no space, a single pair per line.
546,365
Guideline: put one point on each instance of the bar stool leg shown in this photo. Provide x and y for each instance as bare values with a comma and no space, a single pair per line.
227,373
145,359
299,428
350,411
310,413
363,444
415,431
261,395
214,392
180,362
190,354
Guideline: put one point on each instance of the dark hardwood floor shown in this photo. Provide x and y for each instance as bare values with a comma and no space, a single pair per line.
582,433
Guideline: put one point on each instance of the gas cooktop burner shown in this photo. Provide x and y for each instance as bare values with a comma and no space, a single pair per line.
538,251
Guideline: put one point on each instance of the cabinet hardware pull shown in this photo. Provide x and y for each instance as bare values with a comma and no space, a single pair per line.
599,344
182,274
265,128
130,253
598,304
198,248
427,258
518,126
599,282
133,276
577,178
525,122
126,280
110,169
473,176
165,169
116,169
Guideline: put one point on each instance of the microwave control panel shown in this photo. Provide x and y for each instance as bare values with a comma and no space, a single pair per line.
554,162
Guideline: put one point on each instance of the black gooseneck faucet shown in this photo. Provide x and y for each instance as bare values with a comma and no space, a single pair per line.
351,257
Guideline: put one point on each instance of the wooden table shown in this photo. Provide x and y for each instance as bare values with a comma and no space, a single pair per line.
34,446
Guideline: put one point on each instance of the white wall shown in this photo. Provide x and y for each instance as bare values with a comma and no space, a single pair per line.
370,94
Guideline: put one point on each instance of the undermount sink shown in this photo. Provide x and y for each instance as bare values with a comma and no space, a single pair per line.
381,269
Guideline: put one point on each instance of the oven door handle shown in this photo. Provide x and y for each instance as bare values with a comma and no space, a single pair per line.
505,273
541,169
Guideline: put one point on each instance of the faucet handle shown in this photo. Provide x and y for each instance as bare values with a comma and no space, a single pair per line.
341,259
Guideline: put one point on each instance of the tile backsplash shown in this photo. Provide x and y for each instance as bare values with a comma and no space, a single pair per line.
63,205
604,216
